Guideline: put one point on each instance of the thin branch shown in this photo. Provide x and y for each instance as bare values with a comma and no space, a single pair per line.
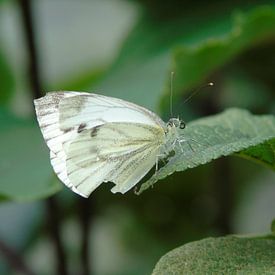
25,7
85,211
14,259
34,78
224,191
54,229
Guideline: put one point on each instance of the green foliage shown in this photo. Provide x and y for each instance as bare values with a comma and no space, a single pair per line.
234,131
225,255
193,64
177,45
242,90
83,82
7,81
273,226
24,165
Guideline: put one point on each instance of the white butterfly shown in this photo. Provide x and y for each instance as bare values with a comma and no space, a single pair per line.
94,139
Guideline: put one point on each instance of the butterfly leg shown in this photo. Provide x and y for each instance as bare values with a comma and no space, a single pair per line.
192,149
190,146
159,157
180,141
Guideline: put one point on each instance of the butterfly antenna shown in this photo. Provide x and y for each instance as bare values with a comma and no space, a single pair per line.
171,94
197,90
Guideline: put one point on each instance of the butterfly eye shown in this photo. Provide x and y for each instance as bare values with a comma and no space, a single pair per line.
182,125
170,123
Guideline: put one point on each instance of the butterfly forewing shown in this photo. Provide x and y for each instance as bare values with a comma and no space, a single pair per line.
92,110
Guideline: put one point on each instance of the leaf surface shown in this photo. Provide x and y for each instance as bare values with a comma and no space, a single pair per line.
234,131
25,169
224,255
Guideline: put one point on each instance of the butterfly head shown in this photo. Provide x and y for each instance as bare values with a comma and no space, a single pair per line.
173,135
175,123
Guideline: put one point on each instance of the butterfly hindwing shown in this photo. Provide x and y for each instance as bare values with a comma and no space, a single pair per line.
119,152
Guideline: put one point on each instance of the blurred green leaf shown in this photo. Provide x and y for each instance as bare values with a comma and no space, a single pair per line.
243,91
273,226
7,80
141,70
2,1
224,255
232,131
263,153
83,81
194,64
24,163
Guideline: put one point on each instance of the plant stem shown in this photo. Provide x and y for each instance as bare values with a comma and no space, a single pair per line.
54,229
34,78
15,260
224,191
26,11
85,209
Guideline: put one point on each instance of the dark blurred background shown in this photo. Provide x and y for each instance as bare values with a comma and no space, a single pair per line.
127,49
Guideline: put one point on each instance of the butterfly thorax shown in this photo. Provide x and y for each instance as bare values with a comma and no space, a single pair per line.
172,134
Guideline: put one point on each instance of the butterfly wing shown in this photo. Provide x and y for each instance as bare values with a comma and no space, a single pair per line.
63,116
118,152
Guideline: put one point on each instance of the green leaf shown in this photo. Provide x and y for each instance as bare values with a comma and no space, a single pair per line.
154,48
83,81
193,64
225,255
241,90
25,169
273,226
234,131
140,71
